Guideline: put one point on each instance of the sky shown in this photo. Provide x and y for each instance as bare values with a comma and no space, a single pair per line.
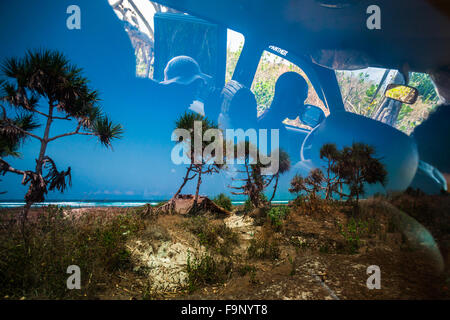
139,165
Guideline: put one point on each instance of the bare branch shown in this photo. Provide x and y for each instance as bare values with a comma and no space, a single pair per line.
190,178
236,188
6,167
77,131
39,112
147,25
269,181
62,118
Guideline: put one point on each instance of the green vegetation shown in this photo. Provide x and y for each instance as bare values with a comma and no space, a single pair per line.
358,92
206,270
263,249
246,269
264,245
423,83
216,236
223,201
248,206
352,166
232,59
95,242
277,214
352,233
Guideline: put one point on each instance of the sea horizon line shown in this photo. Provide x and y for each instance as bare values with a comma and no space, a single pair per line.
102,203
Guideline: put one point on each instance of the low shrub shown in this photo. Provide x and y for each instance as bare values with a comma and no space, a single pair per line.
245,269
276,215
206,270
352,233
213,235
261,248
223,201
35,267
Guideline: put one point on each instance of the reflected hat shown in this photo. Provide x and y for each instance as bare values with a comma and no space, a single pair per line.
183,70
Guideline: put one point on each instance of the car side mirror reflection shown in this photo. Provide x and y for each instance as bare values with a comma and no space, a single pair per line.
312,116
402,93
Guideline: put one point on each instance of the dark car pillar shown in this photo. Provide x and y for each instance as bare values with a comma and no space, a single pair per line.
248,62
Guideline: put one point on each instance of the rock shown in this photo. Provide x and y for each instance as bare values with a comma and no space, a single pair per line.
166,266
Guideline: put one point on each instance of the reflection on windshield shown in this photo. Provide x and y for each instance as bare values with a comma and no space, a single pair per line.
362,92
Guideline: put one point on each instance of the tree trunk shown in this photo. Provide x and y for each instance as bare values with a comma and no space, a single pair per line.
185,180
44,141
199,182
275,187
171,203
36,190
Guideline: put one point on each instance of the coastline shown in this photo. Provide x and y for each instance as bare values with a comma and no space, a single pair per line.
102,203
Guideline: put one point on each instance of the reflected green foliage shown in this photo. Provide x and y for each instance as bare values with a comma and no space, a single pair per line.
358,90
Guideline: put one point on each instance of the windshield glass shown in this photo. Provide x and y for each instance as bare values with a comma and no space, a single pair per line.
363,93
270,68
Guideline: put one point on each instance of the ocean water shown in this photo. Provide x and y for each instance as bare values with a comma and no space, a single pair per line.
84,204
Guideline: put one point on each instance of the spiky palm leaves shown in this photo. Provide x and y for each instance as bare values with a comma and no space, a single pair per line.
353,166
49,75
359,166
11,133
312,184
29,81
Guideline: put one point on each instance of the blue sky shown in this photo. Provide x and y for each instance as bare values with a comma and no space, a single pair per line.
139,167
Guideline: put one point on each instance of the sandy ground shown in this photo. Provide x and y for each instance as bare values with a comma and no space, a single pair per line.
310,265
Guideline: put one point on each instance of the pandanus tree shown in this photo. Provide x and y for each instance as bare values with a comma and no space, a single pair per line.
189,130
312,184
45,85
333,180
358,166
255,182
355,166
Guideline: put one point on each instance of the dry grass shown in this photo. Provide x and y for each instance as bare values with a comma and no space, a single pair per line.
35,266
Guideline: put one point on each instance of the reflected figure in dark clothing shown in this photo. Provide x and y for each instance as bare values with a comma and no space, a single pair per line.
291,91
239,107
